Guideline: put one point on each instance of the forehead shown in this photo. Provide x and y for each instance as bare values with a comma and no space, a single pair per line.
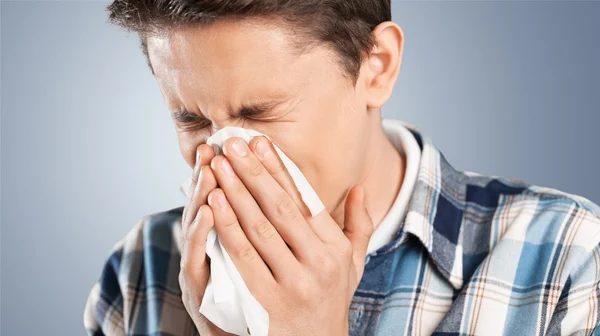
234,43
228,56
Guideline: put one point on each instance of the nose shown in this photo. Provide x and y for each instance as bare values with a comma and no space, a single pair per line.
235,122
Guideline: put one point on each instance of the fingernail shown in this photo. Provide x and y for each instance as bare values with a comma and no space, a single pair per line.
262,148
227,168
239,147
221,200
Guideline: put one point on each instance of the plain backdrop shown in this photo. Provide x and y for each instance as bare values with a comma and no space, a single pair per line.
503,88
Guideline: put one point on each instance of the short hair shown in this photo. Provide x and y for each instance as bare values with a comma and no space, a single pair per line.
344,25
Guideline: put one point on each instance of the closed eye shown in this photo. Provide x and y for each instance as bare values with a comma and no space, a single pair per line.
187,120
261,111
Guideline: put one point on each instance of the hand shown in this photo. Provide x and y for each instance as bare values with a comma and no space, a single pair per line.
194,270
303,270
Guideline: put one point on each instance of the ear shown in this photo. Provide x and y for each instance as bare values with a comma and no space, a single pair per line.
381,67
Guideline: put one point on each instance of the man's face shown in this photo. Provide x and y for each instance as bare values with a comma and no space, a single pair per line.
248,74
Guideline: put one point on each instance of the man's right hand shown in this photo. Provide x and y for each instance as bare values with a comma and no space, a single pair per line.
197,220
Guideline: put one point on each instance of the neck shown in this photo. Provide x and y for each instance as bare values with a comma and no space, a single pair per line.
382,177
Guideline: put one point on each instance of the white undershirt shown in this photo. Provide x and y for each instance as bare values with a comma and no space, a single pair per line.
407,146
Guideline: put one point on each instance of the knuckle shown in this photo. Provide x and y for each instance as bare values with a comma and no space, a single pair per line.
190,301
239,188
184,241
285,208
246,253
182,234
264,229
304,290
278,167
183,276
255,169
329,268
184,268
199,245
191,276
230,221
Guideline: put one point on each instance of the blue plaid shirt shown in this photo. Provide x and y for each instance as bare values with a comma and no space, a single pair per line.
475,255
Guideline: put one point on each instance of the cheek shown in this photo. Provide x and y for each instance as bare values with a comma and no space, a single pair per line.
328,147
336,165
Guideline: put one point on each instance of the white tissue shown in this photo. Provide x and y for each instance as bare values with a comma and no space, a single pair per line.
227,301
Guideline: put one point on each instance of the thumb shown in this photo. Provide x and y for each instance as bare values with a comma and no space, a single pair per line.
358,226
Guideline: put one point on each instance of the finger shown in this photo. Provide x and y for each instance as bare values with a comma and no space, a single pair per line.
262,147
190,189
194,266
274,165
204,154
252,268
259,231
358,227
206,183
275,202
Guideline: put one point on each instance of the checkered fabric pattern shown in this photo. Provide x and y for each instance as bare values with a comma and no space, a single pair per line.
475,255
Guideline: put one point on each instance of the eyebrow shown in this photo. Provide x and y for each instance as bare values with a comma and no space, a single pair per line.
252,110
260,109
184,116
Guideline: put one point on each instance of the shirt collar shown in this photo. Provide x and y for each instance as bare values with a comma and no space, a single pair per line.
406,144
434,213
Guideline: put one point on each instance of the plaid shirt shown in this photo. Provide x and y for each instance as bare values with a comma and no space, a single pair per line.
475,256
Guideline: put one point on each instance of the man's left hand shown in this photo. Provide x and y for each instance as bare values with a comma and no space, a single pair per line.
303,270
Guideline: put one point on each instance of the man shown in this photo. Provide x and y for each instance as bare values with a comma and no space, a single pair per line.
446,252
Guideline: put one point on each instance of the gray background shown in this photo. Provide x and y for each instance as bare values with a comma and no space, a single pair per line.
503,88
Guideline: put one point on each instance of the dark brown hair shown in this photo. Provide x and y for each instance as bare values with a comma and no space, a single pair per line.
345,25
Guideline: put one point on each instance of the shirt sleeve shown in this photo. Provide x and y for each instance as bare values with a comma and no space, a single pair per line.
109,303
103,314
578,309
138,292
